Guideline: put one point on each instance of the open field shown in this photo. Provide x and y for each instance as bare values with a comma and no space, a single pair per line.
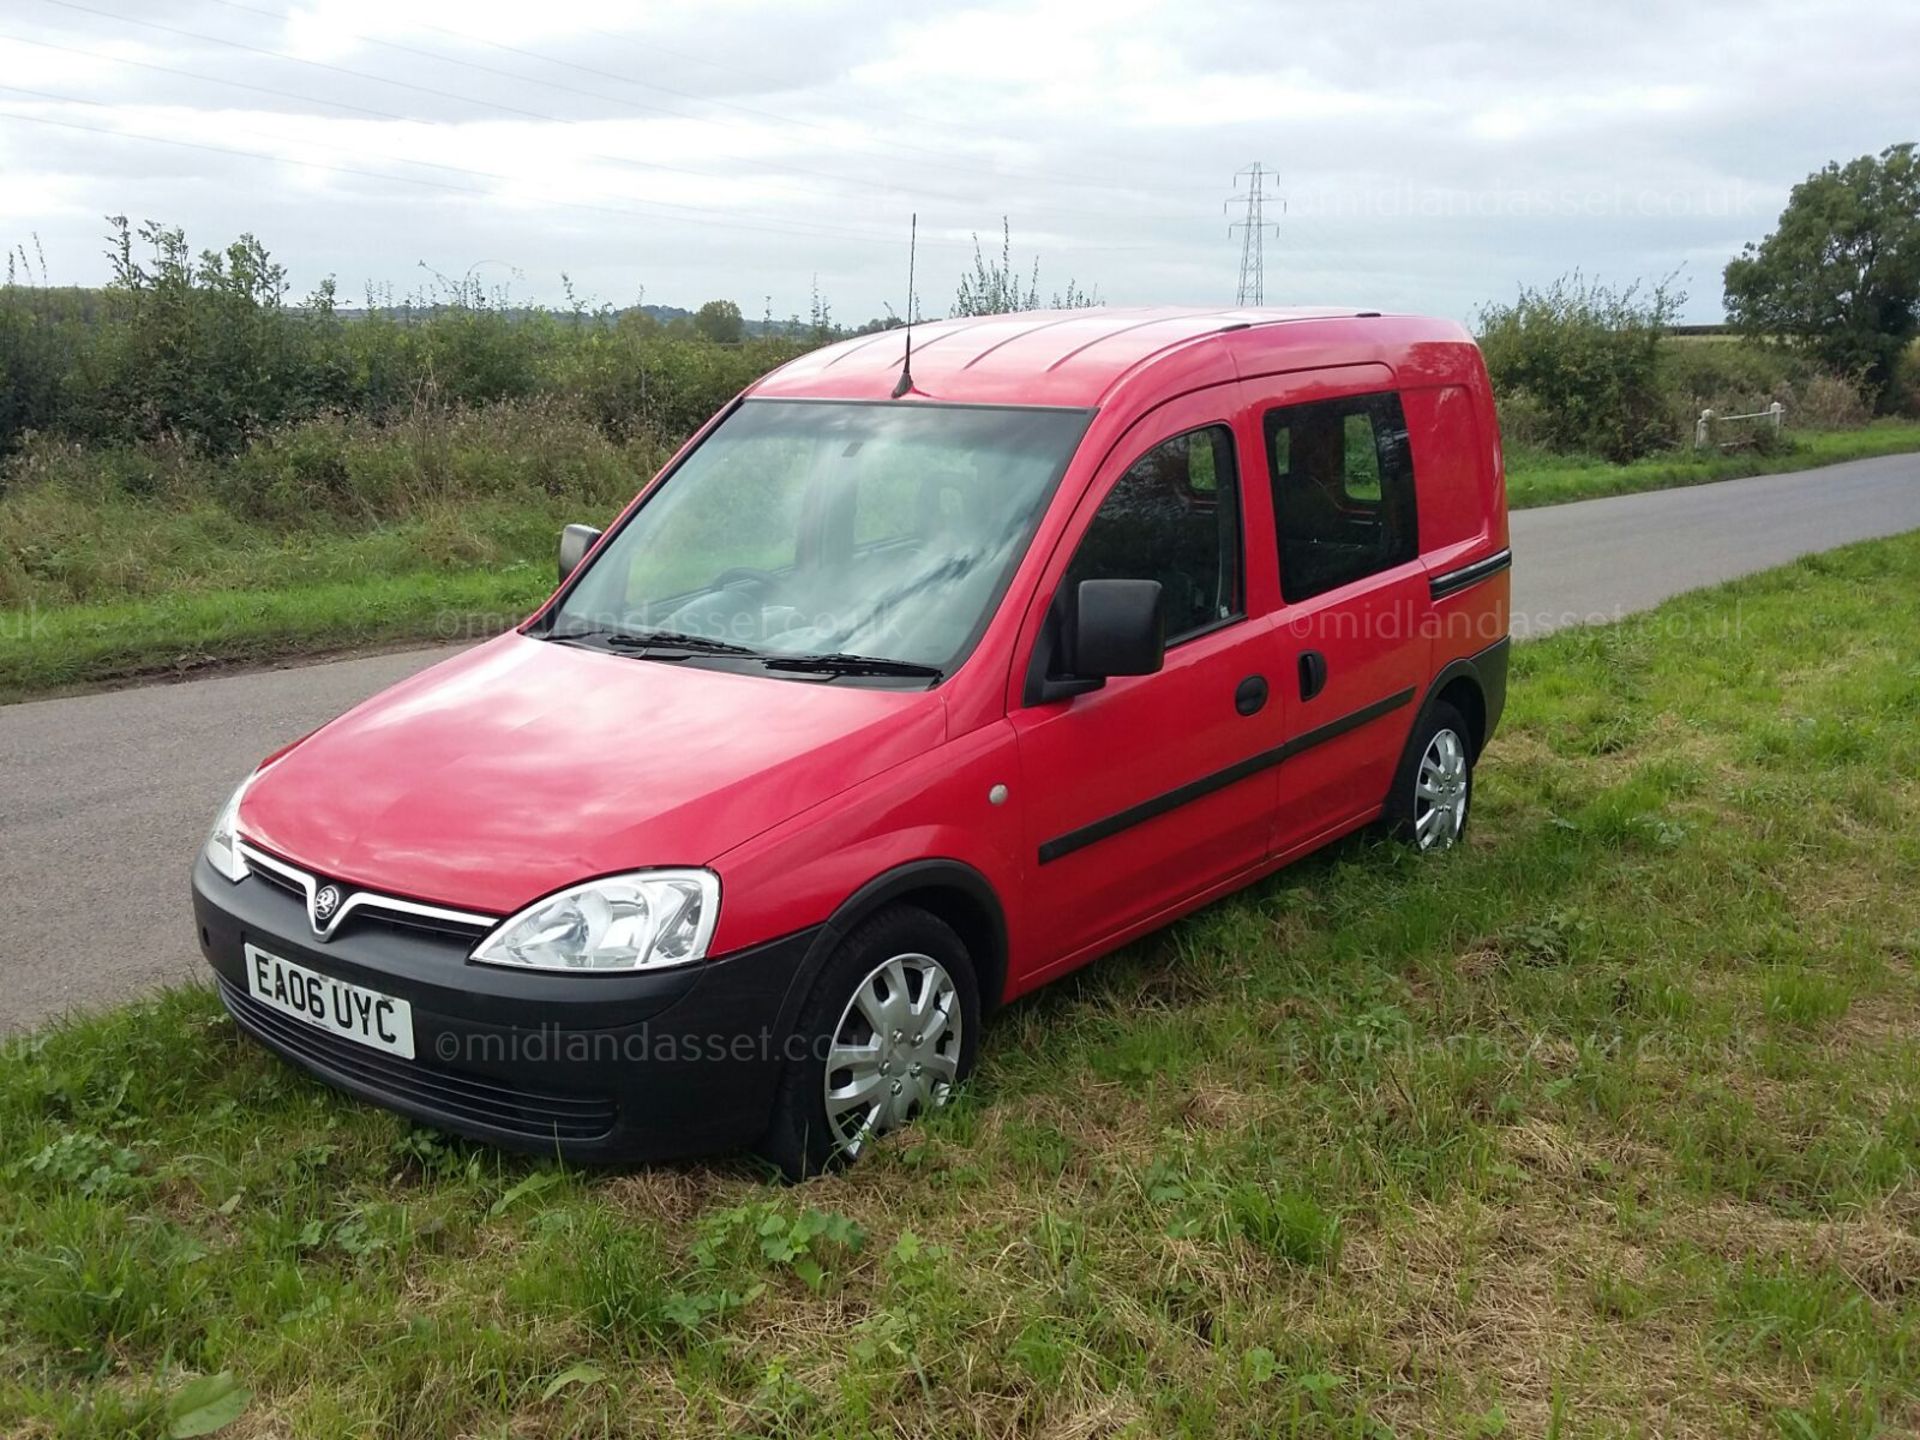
1607,1123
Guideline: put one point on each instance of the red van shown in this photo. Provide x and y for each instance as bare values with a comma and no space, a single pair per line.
893,697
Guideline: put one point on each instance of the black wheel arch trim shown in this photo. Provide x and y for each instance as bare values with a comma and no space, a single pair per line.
937,873
1486,670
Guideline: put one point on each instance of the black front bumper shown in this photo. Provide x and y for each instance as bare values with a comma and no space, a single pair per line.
594,1068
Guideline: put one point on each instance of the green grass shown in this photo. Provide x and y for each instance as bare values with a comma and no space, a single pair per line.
1605,1124
180,634
1538,477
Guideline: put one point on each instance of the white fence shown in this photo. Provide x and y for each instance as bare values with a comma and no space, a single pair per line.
1705,427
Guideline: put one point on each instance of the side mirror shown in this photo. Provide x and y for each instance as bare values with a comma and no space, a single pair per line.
575,541
1118,629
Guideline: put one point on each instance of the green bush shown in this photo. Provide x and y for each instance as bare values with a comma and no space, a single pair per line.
1828,402
1732,376
85,523
634,378
471,355
1698,368
1523,420
1588,360
37,343
347,468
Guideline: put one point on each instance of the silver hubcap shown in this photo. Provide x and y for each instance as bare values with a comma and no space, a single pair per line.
896,1050
1440,792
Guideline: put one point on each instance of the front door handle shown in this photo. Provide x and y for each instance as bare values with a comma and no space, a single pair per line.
1313,673
1250,695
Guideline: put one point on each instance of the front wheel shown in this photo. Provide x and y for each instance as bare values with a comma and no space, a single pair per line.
889,1031
1434,789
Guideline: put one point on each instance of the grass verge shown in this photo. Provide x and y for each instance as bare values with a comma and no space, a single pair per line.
1607,1123
1537,477
179,635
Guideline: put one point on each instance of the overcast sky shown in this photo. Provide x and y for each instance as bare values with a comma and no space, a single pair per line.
1431,157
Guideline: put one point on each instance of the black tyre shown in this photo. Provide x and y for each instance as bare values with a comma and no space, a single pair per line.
1433,793
890,1030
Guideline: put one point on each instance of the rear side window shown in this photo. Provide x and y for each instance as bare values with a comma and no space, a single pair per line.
1173,517
1342,491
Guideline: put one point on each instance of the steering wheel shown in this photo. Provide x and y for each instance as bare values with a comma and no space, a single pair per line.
743,574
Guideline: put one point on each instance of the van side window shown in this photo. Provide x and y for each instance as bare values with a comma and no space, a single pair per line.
1173,517
1343,495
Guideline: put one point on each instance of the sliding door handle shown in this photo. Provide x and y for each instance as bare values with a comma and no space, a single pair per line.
1313,673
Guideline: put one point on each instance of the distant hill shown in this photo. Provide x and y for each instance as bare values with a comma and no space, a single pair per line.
662,314
665,314
85,303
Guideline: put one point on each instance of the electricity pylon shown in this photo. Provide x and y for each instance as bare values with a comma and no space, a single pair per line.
1253,228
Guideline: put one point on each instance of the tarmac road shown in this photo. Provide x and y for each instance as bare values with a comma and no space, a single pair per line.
108,796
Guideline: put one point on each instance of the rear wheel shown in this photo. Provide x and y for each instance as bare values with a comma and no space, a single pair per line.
888,1033
1434,790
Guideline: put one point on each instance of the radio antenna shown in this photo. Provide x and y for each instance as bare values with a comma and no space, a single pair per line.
905,382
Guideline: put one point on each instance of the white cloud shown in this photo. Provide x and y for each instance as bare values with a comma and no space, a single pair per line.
1432,158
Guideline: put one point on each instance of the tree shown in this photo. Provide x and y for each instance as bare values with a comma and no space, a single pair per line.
995,287
720,322
1840,276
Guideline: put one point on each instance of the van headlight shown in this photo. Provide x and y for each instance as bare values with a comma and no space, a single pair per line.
223,845
646,920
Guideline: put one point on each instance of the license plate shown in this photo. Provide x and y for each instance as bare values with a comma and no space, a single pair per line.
364,1016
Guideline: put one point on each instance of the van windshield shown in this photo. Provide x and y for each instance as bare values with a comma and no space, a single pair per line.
815,530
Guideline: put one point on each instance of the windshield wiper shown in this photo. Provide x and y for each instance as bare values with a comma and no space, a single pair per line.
840,664
675,640
654,644
676,645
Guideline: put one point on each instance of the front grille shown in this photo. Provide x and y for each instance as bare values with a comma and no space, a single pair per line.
467,933
363,907
449,1094
279,882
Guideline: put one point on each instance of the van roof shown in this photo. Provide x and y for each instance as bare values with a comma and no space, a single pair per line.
1077,357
